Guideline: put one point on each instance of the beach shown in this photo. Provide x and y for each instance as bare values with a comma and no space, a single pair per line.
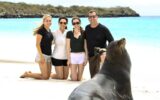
16,59
13,87
18,51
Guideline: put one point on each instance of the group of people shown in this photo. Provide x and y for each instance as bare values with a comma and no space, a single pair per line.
72,49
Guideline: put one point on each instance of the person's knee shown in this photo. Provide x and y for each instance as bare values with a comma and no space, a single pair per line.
73,78
60,76
79,79
65,77
45,77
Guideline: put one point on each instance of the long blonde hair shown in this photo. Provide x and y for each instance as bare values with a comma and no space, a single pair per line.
41,25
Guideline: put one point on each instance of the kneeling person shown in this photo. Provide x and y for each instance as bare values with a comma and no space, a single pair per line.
76,50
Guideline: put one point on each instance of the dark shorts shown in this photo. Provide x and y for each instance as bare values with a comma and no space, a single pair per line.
59,62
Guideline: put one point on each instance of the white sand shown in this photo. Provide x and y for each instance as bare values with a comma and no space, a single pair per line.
144,73
12,87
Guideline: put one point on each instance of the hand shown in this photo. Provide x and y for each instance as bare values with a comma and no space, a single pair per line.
68,63
85,63
42,59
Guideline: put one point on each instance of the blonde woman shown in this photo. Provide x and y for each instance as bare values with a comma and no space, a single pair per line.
59,57
44,39
76,50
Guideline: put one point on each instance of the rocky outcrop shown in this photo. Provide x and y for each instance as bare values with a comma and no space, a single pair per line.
23,10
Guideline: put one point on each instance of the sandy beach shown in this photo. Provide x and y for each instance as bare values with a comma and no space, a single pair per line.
15,59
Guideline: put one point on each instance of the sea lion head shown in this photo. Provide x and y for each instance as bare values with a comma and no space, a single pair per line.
116,50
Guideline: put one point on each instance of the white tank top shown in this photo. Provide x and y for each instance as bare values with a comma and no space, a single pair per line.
59,51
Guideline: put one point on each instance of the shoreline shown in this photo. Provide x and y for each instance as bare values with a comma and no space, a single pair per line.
15,61
8,17
83,17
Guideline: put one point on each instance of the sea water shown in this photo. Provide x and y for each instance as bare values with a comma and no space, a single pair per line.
136,29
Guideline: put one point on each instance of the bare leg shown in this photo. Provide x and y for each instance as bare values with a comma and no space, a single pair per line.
59,73
49,69
65,72
74,72
53,75
80,71
45,72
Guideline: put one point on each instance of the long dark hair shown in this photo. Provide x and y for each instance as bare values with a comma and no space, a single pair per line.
75,17
63,17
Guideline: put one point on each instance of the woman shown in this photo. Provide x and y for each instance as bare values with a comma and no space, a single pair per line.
76,50
44,39
59,58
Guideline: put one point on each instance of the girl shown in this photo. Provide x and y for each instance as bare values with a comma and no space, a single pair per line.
59,58
44,39
76,50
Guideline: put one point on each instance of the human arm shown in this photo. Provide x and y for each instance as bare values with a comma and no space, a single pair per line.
109,35
86,52
53,41
38,41
68,51
68,47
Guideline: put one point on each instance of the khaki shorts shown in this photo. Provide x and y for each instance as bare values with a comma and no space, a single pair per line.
46,57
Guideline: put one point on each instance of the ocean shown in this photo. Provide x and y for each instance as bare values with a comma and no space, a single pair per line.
136,29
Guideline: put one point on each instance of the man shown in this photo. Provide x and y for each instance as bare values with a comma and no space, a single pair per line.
96,35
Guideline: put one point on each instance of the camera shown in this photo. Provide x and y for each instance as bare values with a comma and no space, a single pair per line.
99,51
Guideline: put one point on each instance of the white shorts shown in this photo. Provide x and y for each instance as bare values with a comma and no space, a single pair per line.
77,58
46,57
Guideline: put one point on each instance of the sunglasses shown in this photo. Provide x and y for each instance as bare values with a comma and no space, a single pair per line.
63,23
48,20
92,16
74,23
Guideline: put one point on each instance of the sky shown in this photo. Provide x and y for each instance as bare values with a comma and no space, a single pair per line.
143,7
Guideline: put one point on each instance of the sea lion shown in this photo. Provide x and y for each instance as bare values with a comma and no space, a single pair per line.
112,82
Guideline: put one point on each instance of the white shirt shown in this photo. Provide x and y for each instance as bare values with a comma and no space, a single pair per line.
59,51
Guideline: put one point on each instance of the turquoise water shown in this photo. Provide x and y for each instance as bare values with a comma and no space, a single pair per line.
135,29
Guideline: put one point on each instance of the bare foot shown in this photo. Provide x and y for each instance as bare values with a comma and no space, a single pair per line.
29,72
25,74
